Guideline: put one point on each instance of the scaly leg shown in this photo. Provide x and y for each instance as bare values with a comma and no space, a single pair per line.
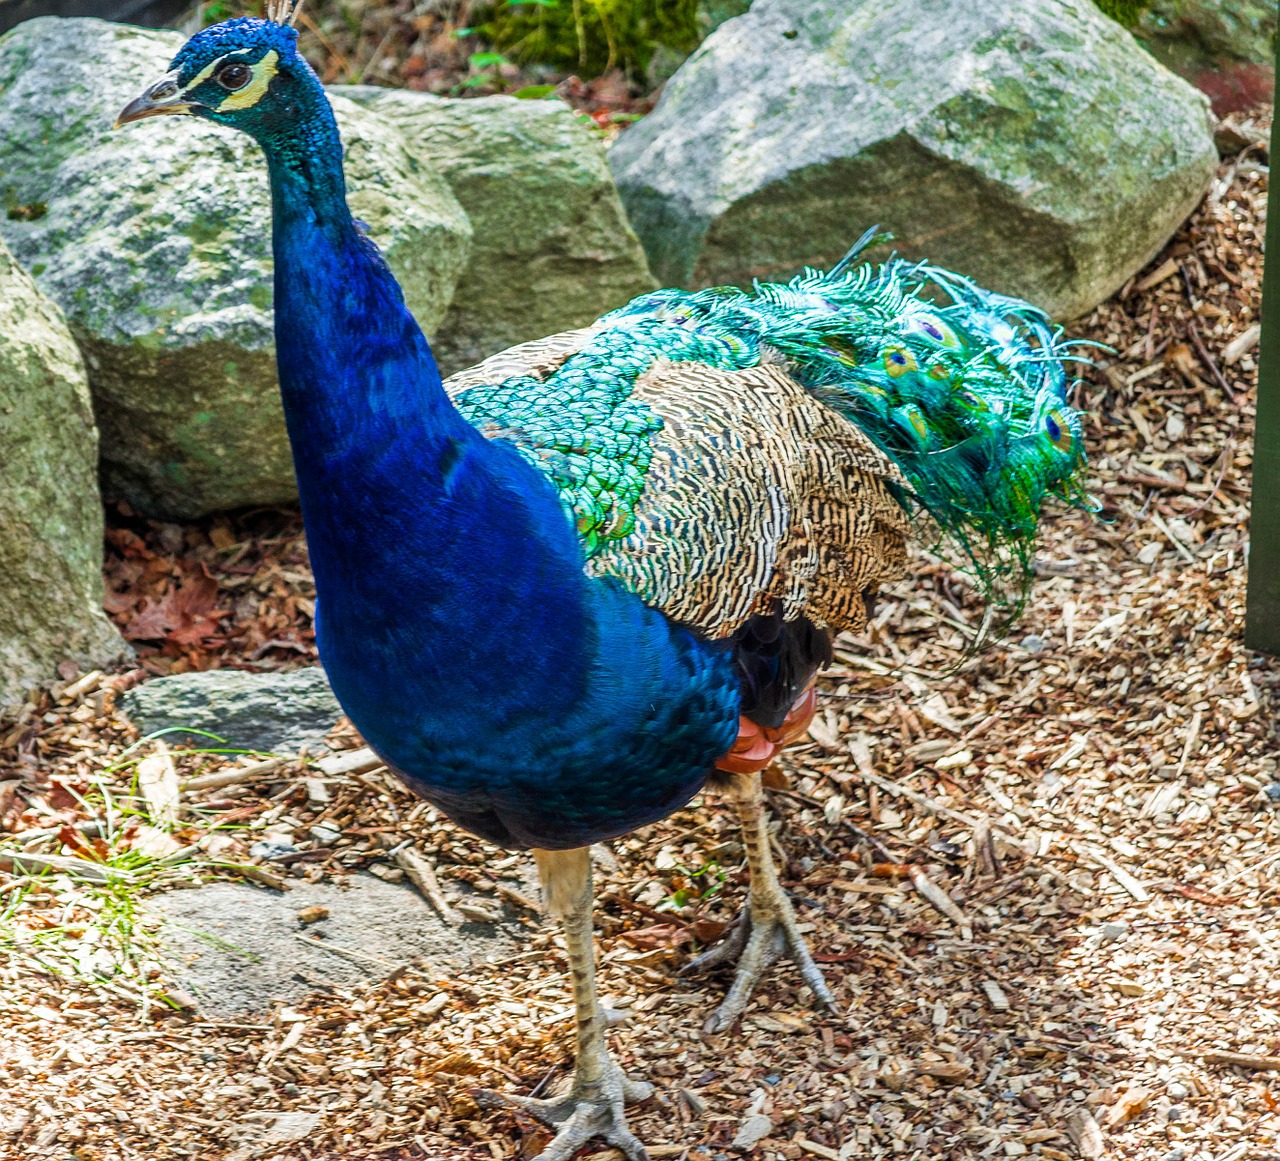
767,927
593,1105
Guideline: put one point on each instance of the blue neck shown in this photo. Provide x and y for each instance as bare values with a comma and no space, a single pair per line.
454,618
435,551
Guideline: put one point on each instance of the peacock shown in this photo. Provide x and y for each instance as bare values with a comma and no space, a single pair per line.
566,589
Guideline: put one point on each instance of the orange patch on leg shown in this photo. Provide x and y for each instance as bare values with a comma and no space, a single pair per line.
758,745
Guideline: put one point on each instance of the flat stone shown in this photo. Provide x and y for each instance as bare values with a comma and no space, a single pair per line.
1028,145
51,515
236,949
155,239
552,248
270,712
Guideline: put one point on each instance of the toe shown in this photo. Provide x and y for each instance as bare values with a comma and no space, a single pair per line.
635,1092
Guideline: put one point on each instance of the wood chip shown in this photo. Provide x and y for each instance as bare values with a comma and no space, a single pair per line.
158,784
1085,1134
422,874
353,762
995,996
1132,1103
754,1129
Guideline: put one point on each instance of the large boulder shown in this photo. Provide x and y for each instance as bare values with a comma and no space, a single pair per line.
156,241
51,517
552,248
1029,144
1226,48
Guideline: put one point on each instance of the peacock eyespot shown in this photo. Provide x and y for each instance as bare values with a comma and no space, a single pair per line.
1060,434
898,361
234,76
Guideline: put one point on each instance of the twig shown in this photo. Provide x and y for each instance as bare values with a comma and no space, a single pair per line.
422,874
1208,360
1243,1060
232,777
1193,732
32,864
1228,454
351,953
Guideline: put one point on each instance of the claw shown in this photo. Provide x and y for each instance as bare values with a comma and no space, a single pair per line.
764,933
584,1112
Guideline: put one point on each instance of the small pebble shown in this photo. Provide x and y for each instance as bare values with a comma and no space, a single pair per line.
1112,932
1273,792
1177,1090
1032,643
325,834
275,847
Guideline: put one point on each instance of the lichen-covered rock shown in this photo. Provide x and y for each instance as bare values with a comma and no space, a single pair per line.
156,241
552,247
1226,48
1029,144
50,515
277,712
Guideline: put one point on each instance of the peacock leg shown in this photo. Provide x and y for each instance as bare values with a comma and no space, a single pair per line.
767,927
593,1105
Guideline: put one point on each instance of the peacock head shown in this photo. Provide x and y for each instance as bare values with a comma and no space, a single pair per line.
245,73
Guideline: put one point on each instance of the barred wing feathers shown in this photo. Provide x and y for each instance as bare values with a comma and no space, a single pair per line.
727,452
755,495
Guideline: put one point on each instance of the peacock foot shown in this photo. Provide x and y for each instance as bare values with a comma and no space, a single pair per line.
589,1109
766,930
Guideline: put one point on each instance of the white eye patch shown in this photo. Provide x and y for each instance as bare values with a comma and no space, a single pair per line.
252,93
247,96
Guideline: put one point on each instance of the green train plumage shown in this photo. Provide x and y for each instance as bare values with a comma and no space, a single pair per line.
965,390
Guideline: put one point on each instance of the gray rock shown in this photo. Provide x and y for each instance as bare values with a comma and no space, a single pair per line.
239,950
1224,47
272,712
552,248
1028,144
156,241
51,516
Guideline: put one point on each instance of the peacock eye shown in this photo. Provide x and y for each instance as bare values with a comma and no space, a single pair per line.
233,76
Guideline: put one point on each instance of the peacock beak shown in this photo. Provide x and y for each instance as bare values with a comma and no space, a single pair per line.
163,99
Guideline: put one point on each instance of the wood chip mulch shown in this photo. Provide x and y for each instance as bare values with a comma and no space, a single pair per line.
1042,881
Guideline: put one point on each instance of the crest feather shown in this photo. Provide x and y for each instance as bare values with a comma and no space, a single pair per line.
283,11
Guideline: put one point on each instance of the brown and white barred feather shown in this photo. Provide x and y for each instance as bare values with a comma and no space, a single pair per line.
758,496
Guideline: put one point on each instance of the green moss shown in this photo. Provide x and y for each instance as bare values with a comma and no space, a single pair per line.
1126,12
592,36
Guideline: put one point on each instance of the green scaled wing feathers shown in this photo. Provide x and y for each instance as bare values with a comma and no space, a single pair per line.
965,391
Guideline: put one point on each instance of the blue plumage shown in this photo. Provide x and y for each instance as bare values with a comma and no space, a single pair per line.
531,704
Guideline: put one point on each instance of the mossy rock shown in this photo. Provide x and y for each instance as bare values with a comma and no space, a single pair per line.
553,249
1030,145
155,240
51,518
